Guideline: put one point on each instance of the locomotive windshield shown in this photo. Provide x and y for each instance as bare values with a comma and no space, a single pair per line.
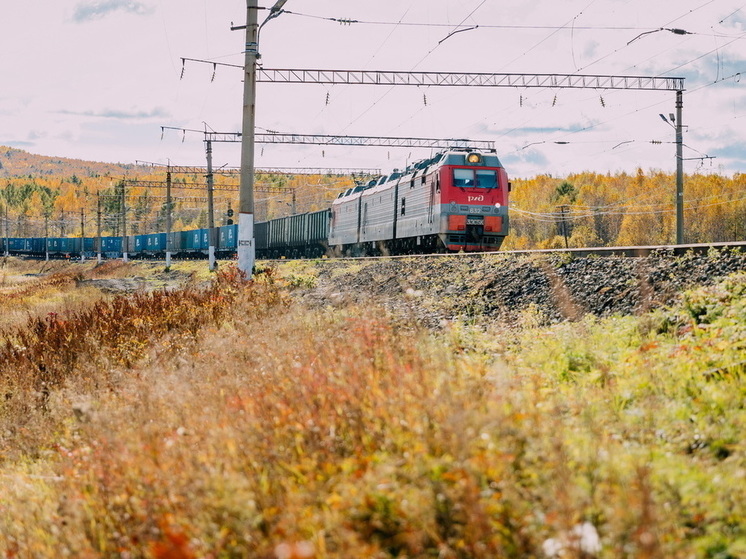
470,178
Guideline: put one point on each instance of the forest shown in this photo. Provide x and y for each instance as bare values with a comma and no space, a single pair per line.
66,197
590,209
42,196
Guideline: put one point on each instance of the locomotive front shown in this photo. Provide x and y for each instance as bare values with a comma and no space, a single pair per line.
474,191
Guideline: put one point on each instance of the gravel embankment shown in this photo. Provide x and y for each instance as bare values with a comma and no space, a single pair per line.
504,287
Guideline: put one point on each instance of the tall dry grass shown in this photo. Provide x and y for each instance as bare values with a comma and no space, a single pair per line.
233,422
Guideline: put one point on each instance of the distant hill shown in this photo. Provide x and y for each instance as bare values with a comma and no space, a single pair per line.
19,163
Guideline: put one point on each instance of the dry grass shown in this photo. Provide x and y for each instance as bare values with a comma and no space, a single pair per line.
232,422
33,288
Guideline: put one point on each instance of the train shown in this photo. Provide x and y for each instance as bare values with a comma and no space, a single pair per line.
455,201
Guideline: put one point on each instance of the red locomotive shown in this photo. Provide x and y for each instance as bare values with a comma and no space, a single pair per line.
455,201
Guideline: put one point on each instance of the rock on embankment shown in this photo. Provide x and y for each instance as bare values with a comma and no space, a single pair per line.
504,286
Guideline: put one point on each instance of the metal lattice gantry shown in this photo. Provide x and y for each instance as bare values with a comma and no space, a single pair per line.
383,141
470,79
475,79
334,171
333,140
232,171
268,188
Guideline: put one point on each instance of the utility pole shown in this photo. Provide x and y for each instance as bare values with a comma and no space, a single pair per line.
679,169
246,247
564,225
82,235
124,226
7,231
169,240
46,237
210,208
98,226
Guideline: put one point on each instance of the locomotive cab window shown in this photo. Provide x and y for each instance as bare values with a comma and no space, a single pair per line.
486,179
463,177
482,178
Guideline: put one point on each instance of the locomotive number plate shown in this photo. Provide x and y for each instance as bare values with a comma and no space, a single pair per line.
474,221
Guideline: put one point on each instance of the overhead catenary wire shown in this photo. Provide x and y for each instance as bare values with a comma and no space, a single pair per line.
574,22
401,23
571,214
592,126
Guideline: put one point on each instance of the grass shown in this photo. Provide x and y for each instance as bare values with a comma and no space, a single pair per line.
233,421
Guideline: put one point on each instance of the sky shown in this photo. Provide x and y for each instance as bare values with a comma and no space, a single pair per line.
98,79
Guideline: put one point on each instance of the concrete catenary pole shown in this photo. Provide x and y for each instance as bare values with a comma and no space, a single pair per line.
246,246
125,248
46,237
99,256
169,240
210,207
679,169
7,231
82,235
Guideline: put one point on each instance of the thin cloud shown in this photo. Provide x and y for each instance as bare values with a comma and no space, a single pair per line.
89,11
157,112
734,152
16,144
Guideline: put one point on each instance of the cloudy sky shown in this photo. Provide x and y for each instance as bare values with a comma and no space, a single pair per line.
97,79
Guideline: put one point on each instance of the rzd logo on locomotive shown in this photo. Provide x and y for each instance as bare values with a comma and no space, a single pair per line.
476,198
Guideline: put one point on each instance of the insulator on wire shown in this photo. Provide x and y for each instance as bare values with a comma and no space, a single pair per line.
520,101
214,71
424,98
603,103
327,98
183,136
183,67
554,101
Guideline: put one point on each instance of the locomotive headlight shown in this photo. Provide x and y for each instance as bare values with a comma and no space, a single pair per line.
473,158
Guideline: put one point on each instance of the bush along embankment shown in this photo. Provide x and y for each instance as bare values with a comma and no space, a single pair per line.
90,347
281,431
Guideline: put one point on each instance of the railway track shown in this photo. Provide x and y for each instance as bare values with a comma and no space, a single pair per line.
628,251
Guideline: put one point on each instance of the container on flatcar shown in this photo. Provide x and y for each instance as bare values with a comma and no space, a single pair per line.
111,247
154,244
227,238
